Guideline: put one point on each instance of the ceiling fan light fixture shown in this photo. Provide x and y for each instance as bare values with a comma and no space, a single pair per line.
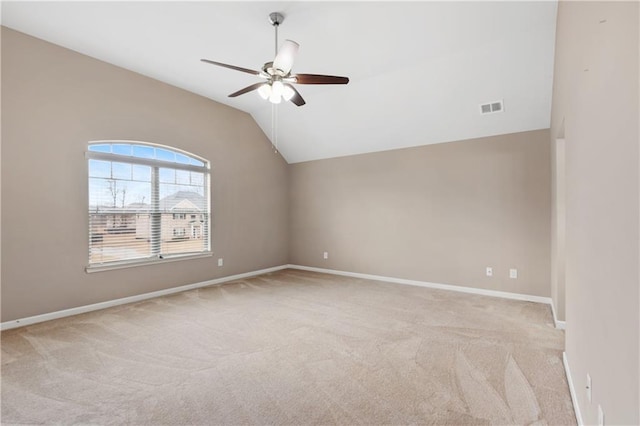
265,91
286,54
277,87
275,98
287,93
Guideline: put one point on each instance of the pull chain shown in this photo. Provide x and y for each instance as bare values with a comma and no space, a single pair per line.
274,127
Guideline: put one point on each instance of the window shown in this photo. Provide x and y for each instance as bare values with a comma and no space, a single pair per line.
135,190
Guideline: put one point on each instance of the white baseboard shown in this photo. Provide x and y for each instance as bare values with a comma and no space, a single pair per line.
572,390
559,324
472,290
131,299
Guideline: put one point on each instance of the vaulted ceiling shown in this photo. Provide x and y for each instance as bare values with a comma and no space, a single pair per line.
418,70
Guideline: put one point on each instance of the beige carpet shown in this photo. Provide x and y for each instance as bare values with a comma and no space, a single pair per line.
292,347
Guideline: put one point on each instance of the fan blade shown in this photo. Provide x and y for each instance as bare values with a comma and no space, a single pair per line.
233,67
296,98
320,79
246,90
286,55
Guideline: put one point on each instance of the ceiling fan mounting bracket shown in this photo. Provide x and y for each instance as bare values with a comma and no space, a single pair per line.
276,18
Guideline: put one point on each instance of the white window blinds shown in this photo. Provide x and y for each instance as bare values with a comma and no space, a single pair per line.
146,202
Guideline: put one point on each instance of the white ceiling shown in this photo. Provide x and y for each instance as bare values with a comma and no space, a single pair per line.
418,70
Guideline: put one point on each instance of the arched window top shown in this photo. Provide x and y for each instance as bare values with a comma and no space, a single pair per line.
147,151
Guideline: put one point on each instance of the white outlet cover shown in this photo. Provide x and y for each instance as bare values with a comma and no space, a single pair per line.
220,262
588,388
326,255
513,273
489,271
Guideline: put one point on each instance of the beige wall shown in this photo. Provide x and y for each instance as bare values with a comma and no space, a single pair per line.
438,213
0,168
596,96
53,102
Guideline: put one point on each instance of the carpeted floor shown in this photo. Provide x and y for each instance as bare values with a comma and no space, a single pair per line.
292,347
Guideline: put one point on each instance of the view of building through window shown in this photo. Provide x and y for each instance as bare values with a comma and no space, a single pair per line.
146,202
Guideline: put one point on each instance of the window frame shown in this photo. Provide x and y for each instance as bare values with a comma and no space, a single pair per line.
155,164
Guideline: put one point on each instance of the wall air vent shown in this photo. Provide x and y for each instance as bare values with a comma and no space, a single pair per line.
491,107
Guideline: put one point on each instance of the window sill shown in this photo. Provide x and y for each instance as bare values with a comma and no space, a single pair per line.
132,264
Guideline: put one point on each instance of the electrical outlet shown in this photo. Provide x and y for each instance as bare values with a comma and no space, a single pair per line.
326,255
220,262
513,273
489,271
600,416
589,388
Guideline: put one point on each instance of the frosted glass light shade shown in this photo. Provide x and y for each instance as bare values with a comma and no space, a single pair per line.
277,87
264,91
286,55
288,93
275,98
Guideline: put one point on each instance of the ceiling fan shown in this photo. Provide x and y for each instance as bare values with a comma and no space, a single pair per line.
278,80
